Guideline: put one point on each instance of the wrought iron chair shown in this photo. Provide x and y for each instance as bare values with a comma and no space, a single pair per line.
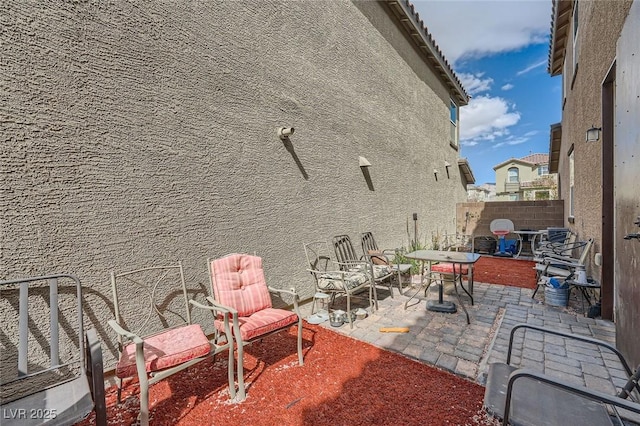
384,257
337,278
522,396
239,287
72,385
350,261
160,340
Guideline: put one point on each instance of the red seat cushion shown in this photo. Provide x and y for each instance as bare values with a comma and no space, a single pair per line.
168,349
447,268
262,322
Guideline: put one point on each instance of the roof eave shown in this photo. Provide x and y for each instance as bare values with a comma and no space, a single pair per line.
405,12
555,139
560,20
465,168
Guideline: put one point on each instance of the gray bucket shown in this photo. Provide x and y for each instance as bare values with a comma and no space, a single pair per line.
556,296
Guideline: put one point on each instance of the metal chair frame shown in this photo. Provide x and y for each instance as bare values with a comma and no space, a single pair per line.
235,324
151,290
514,394
320,264
348,258
369,247
79,385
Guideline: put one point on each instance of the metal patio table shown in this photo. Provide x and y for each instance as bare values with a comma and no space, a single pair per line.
454,258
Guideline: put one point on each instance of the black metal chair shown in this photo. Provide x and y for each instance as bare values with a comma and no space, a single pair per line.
521,396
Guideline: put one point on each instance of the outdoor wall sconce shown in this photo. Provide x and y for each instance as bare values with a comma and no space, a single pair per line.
593,134
364,162
435,173
446,167
285,132
364,168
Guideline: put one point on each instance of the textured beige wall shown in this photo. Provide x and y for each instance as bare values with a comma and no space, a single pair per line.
144,133
599,26
475,218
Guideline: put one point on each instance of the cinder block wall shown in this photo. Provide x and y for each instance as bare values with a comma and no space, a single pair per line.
475,218
145,134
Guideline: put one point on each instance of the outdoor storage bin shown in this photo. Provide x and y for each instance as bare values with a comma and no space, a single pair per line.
558,294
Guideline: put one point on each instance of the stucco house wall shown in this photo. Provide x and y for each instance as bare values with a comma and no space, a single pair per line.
526,172
145,133
599,26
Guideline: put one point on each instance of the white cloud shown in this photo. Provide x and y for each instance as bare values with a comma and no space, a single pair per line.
464,28
486,118
507,86
474,83
532,67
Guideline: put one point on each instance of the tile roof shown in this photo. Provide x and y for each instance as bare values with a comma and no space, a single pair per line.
419,33
536,158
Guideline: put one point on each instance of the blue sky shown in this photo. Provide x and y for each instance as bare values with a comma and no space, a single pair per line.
499,50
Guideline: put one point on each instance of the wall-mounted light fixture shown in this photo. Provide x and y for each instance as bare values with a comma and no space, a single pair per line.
364,168
435,173
285,132
364,162
446,167
593,134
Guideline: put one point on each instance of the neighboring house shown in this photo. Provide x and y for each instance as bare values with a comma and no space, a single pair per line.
139,134
525,179
479,193
594,48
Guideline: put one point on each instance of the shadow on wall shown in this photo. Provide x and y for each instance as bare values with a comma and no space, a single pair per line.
289,147
367,177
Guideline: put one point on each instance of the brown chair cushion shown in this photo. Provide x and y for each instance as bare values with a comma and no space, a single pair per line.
378,260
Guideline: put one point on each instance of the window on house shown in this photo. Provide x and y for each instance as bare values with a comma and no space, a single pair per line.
571,181
514,197
575,36
543,170
453,117
512,175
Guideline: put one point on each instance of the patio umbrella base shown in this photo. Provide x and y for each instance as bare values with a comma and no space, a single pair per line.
444,306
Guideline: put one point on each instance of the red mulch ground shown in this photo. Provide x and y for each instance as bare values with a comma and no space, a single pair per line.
343,382
505,271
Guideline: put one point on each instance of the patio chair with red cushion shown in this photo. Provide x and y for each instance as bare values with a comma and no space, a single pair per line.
155,334
238,286
443,271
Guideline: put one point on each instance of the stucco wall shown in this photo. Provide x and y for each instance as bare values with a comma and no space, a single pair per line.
144,133
599,26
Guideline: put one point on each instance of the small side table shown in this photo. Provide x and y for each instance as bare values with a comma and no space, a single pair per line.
586,290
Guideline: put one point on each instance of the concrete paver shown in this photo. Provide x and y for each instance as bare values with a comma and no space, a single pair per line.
448,342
